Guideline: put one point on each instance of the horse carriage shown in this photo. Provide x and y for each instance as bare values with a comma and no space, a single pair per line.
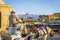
33,33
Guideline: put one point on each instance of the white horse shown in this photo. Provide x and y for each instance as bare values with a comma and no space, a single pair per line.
40,33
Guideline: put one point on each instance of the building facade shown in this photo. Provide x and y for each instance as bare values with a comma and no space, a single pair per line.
54,17
5,11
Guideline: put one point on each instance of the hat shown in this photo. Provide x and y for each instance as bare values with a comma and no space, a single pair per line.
12,11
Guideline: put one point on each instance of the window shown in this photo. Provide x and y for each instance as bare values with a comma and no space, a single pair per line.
0,19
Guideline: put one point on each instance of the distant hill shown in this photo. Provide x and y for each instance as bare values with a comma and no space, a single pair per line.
28,16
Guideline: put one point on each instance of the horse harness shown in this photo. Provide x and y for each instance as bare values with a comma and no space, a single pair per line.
44,31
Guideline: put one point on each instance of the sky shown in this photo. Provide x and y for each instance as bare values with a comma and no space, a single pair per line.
38,7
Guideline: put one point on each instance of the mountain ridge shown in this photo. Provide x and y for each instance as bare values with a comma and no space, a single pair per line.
29,15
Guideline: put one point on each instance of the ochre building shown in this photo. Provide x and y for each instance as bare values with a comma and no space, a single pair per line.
5,11
54,17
